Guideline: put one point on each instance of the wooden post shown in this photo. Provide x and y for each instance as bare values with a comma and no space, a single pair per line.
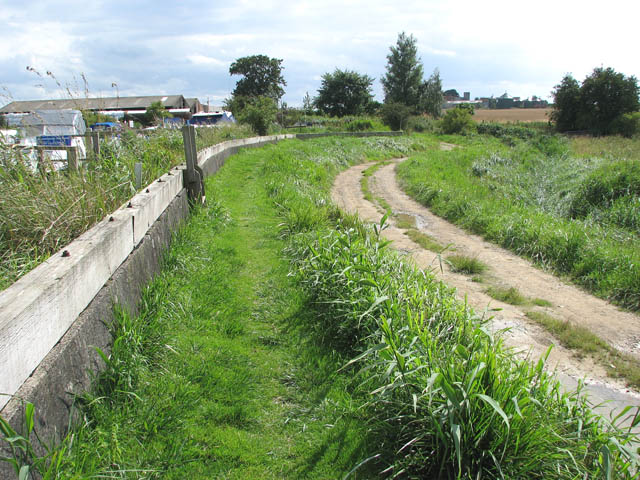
95,143
72,159
193,176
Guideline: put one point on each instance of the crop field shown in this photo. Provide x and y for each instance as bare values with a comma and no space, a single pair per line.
284,339
569,205
512,115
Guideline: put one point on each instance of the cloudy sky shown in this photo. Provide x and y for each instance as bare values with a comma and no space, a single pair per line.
144,47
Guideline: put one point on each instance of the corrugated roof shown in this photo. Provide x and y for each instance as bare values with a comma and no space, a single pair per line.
108,103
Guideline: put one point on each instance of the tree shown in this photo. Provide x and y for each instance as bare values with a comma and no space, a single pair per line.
155,114
431,96
404,74
606,95
307,104
259,113
451,93
262,77
344,92
598,105
566,104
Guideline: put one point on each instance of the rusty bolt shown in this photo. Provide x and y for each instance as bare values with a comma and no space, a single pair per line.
66,253
111,219
147,190
130,205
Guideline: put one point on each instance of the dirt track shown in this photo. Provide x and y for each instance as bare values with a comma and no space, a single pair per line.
621,329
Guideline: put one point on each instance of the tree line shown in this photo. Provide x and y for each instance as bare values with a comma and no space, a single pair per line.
606,102
257,94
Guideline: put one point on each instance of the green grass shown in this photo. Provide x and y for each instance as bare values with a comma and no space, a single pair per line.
541,302
41,213
466,264
523,192
510,295
425,241
405,221
585,342
234,373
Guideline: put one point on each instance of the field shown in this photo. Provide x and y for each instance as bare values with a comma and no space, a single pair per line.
285,340
512,115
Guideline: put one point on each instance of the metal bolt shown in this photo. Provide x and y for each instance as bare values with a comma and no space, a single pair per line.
66,253
111,219
130,205
147,190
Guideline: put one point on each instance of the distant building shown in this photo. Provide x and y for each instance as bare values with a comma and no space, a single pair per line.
118,107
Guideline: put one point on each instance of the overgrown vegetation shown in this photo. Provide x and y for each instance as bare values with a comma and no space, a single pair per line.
528,192
41,211
424,390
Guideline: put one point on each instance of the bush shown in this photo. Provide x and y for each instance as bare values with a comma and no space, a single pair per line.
627,125
457,120
420,124
359,125
395,115
605,185
259,113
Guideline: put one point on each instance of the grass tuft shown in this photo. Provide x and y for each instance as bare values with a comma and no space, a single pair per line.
466,264
425,241
510,295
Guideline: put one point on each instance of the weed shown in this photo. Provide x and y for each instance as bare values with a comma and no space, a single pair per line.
467,265
424,240
509,295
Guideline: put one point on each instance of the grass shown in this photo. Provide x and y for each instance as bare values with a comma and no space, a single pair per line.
425,241
42,212
510,295
466,264
222,375
243,380
364,186
405,221
521,189
585,342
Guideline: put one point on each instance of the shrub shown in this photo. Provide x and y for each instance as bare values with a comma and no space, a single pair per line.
457,120
395,115
420,124
259,113
359,125
627,124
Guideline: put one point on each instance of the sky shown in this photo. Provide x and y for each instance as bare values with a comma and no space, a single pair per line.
139,47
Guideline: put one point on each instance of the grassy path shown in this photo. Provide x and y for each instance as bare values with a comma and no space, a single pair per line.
232,389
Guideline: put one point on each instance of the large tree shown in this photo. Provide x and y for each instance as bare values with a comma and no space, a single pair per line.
403,79
606,95
344,92
262,77
596,105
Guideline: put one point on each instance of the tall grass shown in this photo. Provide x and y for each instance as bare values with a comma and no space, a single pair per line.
42,212
444,398
447,399
523,195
